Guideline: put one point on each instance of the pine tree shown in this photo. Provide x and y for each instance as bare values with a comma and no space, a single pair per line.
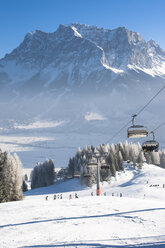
43,174
111,162
126,151
24,186
155,158
120,160
162,159
10,177
141,159
148,157
18,178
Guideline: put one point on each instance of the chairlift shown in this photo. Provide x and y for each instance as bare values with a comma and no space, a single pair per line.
69,177
136,131
91,164
150,145
105,166
87,175
76,175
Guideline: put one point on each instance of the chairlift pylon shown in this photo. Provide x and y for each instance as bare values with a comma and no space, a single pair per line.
151,145
136,131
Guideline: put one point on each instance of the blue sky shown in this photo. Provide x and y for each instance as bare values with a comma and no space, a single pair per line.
18,17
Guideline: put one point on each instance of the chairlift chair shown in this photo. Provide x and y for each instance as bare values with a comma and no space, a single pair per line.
87,175
76,175
136,131
91,164
69,177
105,166
150,145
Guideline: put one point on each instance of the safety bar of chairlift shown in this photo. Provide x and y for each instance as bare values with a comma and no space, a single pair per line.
104,167
136,135
148,143
133,118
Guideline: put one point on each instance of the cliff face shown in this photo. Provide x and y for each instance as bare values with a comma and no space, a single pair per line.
76,56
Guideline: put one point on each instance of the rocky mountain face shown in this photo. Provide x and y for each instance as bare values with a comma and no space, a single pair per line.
78,63
80,56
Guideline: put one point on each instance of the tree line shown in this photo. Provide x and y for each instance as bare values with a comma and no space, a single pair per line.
115,155
82,165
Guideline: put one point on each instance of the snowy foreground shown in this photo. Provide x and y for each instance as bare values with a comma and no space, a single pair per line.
137,219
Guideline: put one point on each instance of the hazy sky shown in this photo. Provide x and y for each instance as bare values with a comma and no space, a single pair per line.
18,17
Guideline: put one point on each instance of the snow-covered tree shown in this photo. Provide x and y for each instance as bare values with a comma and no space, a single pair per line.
141,158
155,158
43,174
120,160
24,186
10,177
111,162
148,157
162,159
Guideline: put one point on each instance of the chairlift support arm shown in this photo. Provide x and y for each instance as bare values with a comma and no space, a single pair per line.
133,118
153,135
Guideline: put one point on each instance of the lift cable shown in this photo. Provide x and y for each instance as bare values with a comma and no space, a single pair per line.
137,114
150,100
72,147
119,131
158,127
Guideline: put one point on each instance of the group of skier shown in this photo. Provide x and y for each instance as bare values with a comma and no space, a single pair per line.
59,196
105,193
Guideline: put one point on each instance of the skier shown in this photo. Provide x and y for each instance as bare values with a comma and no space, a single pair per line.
61,196
70,197
76,196
46,198
54,197
91,193
121,195
105,194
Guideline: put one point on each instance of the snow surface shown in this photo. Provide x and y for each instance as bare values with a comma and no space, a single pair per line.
76,33
134,220
115,70
157,70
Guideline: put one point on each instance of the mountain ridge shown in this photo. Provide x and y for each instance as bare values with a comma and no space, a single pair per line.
78,54
79,69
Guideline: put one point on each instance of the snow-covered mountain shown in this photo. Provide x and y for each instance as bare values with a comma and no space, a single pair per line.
78,85
80,56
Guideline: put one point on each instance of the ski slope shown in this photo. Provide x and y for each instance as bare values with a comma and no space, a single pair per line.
134,220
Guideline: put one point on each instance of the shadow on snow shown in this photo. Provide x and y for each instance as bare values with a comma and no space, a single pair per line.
96,245
137,174
82,217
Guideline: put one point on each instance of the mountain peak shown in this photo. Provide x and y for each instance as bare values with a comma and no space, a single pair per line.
34,33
